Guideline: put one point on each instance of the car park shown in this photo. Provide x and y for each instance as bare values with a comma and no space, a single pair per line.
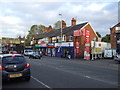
117,58
35,55
14,66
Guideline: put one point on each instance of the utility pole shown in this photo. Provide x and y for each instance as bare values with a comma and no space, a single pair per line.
61,33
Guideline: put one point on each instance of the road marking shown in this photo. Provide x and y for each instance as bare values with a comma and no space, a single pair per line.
41,83
87,76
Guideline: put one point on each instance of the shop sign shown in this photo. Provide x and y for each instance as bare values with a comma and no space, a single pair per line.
37,45
77,47
79,32
87,44
118,41
87,47
117,31
67,44
50,45
76,33
28,46
43,45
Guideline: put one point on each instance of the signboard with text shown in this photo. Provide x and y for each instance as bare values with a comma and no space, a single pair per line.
87,45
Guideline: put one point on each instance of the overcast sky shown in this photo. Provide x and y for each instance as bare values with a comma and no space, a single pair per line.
16,18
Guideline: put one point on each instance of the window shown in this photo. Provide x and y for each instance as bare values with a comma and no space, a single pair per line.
117,28
64,38
17,59
70,38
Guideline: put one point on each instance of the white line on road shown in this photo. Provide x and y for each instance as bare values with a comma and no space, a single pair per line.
87,76
41,83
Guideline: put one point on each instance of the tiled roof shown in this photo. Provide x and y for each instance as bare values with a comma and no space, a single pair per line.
65,31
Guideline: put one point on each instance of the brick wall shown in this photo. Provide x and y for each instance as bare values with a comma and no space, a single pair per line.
81,40
113,36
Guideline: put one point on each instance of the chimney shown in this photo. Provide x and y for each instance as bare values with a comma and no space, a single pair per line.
63,24
73,22
50,28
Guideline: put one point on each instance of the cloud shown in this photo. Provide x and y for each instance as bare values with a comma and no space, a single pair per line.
17,18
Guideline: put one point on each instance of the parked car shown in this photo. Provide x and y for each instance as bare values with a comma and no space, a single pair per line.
13,52
5,51
28,52
117,58
35,55
14,66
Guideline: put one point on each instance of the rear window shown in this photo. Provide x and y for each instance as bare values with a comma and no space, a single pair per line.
10,60
28,51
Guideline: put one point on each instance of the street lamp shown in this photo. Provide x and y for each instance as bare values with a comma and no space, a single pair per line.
61,33
61,27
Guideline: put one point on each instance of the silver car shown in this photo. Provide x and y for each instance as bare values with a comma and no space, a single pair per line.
117,58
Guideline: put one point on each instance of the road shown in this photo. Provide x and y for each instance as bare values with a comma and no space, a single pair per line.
53,72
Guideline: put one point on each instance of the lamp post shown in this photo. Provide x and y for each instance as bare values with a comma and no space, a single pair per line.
61,28
61,33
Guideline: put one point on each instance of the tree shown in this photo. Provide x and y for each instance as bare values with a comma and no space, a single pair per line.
57,25
98,34
34,31
106,38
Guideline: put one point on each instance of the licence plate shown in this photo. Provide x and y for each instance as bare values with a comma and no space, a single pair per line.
15,75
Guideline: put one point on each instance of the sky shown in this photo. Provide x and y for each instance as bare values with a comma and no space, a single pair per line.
16,17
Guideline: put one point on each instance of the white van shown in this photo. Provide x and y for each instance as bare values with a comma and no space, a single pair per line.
28,52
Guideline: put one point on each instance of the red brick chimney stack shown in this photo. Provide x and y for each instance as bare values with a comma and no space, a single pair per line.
73,22
63,24
50,28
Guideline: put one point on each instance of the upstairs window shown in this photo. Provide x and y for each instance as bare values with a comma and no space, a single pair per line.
70,38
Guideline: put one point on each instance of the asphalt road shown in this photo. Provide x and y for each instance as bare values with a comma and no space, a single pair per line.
52,72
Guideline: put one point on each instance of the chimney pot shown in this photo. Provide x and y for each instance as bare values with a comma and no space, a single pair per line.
63,24
73,22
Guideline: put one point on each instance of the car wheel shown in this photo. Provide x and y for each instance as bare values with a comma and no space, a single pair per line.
27,78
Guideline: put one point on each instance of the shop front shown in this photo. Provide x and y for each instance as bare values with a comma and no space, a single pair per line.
64,50
41,47
51,49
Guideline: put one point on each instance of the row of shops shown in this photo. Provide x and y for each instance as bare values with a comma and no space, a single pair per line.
64,50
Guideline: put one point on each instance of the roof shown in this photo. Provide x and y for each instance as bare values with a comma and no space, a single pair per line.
115,25
66,31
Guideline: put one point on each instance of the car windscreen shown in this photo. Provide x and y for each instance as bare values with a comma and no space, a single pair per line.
13,60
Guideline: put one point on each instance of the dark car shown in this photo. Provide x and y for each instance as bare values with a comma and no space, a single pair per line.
14,66
35,55
5,51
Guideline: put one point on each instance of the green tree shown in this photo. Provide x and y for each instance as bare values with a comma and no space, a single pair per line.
106,38
99,35
33,32
57,25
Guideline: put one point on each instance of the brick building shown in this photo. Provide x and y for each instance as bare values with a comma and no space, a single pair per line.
50,41
115,30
